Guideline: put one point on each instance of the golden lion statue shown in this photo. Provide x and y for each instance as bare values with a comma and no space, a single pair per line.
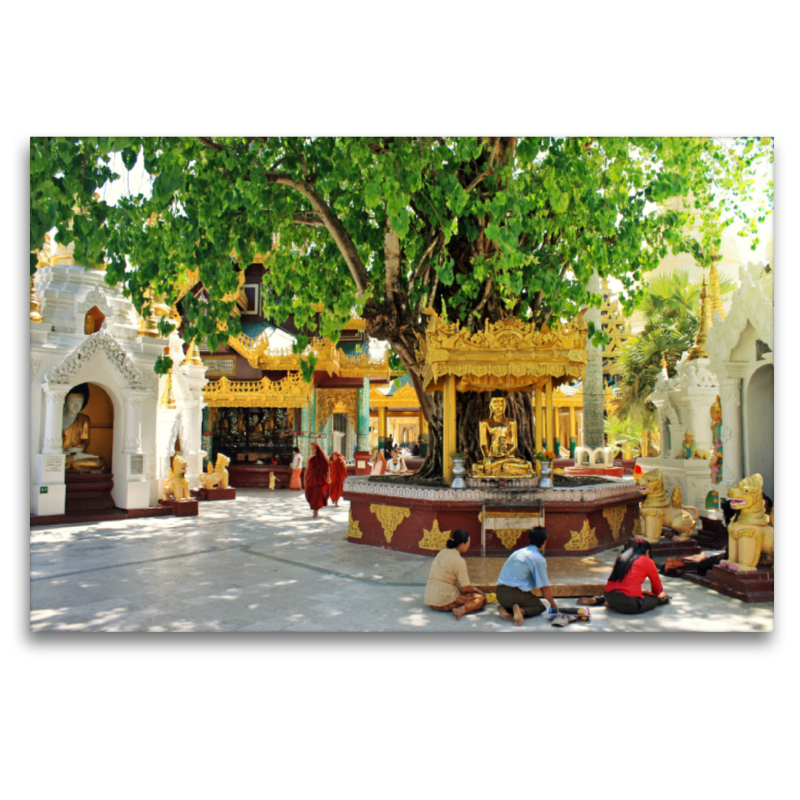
176,487
655,511
753,533
217,476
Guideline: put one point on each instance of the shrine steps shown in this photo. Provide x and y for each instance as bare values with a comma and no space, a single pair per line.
88,499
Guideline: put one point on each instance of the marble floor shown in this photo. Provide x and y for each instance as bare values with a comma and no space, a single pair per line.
262,563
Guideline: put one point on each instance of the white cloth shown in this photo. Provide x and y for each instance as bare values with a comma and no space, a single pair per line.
297,461
399,466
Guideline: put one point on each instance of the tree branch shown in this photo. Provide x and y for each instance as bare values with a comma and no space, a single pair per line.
307,218
334,226
205,140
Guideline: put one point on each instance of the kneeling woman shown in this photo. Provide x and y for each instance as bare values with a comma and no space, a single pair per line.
624,588
448,587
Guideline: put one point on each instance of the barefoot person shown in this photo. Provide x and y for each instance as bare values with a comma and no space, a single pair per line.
338,475
448,587
317,480
297,468
525,570
624,588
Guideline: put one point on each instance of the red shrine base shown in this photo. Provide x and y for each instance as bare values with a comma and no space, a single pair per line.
214,494
751,587
580,521
182,508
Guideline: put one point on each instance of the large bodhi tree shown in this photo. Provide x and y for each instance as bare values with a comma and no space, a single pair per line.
477,228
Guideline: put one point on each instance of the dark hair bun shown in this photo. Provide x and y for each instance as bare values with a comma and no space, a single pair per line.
451,543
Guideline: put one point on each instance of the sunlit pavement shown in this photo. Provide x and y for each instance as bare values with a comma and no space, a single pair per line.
261,563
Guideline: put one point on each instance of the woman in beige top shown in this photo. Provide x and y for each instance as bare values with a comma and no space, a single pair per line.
448,587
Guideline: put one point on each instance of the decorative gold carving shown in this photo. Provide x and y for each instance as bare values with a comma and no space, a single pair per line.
353,531
658,512
714,294
148,325
390,518
584,539
699,349
168,396
35,307
511,353
615,517
510,536
331,401
617,326
177,485
434,539
362,365
289,392
404,397
747,498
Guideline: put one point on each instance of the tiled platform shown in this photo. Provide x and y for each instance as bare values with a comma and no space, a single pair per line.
569,577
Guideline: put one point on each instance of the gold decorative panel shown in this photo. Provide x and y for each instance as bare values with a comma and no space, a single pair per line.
353,531
584,539
510,536
390,518
434,539
615,516
330,401
289,392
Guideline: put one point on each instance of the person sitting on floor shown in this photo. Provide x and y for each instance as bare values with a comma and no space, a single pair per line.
448,587
525,570
624,588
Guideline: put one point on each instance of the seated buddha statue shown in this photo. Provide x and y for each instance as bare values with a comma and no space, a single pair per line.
498,441
76,428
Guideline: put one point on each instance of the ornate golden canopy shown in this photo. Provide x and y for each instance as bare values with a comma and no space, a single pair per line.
509,354
289,392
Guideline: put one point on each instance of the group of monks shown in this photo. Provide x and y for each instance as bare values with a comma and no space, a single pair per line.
324,479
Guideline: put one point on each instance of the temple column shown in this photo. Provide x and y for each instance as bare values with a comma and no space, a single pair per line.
362,428
593,434
573,436
133,422
550,420
730,397
53,438
382,428
449,438
423,430
538,421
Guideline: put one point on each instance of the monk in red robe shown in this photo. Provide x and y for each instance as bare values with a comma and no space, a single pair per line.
317,479
338,475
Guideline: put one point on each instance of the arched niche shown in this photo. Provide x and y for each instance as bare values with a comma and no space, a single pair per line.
93,320
760,423
100,410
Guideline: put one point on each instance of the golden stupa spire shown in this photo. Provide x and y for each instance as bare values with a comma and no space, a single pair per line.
168,396
35,307
193,355
714,293
699,349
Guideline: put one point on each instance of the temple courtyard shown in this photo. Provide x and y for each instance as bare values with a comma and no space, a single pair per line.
261,563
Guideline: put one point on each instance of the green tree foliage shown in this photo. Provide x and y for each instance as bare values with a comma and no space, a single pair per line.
477,228
671,305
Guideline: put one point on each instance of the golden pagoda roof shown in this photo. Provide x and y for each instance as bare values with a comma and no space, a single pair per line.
404,397
510,354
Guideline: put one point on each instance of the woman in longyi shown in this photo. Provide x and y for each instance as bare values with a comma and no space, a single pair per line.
449,587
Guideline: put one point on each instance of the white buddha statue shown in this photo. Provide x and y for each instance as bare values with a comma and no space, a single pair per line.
76,428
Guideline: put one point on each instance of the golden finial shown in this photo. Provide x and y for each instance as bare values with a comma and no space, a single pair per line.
148,325
699,349
715,298
168,397
35,308
193,355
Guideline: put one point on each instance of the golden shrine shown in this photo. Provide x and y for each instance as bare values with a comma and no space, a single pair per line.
509,354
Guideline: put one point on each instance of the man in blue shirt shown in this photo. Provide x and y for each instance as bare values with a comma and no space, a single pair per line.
525,569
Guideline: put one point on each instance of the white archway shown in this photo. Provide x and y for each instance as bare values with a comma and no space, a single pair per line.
760,403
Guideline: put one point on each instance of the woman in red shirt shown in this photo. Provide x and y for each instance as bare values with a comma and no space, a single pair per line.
624,588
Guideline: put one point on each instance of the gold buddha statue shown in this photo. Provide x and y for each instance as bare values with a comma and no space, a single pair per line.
76,428
498,441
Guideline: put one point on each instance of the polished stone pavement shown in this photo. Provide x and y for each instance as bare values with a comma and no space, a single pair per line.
261,563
